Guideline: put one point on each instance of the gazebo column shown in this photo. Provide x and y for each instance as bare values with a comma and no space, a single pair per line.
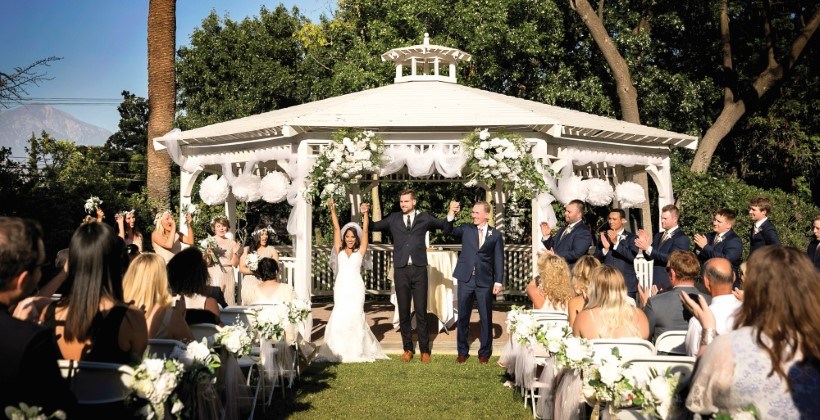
302,249
230,209
186,186
662,177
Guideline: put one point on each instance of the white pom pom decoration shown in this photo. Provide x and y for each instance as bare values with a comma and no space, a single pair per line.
629,194
246,188
214,190
570,188
274,187
599,192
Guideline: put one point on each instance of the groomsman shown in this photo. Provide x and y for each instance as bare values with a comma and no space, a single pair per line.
813,250
762,232
723,242
617,248
665,242
572,241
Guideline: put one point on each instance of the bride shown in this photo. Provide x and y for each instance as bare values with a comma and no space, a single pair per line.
347,335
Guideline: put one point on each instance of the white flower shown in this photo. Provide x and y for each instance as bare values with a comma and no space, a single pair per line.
479,154
610,373
575,350
154,367
659,387
484,145
492,162
484,134
177,407
196,352
588,391
374,147
483,163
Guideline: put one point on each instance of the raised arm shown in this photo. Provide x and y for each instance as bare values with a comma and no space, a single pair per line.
337,234
187,238
243,268
363,241
120,225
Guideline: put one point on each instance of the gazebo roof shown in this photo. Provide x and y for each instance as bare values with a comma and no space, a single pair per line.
428,105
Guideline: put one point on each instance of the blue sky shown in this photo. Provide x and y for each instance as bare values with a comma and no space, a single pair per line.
104,44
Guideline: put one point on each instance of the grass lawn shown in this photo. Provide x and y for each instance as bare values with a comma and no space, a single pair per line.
392,389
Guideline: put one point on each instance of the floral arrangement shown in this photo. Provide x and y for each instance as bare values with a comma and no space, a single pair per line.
505,159
197,355
553,338
214,190
210,243
236,339
609,383
575,353
298,310
660,394
344,161
92,204
191,209
27,412
270,321
156,380
527,329
252,261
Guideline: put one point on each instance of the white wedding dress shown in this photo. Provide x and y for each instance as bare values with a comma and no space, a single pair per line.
348,339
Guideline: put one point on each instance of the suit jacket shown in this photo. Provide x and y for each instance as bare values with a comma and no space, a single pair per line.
814,253
487,262
766,236
666,312
575,245
731,248
410,243
622,257
661,252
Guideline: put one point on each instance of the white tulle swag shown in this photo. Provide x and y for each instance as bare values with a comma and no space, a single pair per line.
571,188
274,187
599,192
629,194
246,187
214,190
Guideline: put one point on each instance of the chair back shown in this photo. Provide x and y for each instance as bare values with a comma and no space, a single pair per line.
628,348
287,270
232,314
208,331
97,383
163,348
643,270
549,318
671,342
640,367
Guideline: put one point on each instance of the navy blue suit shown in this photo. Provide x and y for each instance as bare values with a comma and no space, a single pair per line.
661,250
411,279
622,258
766,236
814,253
731,248
575,245
477,270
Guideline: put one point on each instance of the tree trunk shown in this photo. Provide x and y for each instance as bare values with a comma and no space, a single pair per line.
161,96
733,110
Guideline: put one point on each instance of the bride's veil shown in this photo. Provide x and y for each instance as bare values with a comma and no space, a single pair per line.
367,260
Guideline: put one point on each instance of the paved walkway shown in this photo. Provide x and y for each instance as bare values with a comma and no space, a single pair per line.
379,316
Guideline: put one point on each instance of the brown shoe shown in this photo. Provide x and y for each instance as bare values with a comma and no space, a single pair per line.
483,360
408,354
425,358
462,358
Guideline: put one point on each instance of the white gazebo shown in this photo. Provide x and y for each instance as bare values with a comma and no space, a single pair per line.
422,117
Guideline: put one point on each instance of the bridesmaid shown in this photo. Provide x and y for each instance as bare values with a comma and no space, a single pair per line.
227,252
128,230
167,241
259,243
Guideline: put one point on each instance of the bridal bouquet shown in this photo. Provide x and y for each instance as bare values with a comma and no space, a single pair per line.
575,353
252,261
610,383
156,380
92,204
299,310
210,243
504,159
345,160
660,394
236,339
270,321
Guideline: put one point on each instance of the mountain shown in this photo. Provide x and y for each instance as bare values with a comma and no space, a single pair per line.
16,126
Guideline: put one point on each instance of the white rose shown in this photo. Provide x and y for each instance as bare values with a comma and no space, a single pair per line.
495,172
484,134
575,351
365,155
153,367
483,163
588,391
178,406
484,145
495,142
492,162
361,145
374,147
609,374
234,343
345,175
659,387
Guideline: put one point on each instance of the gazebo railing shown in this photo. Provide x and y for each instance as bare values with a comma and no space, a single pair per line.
517,268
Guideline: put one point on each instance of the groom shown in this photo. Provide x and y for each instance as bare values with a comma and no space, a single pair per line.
408,229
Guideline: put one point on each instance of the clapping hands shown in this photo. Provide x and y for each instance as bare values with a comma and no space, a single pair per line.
643,241
700,241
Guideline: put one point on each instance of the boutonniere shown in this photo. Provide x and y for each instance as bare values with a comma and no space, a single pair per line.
622,237
489,232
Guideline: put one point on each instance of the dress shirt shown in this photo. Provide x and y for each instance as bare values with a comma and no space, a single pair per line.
615,245
724,307
669,232
758,224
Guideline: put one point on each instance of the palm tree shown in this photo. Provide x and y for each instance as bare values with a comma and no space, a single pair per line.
161,96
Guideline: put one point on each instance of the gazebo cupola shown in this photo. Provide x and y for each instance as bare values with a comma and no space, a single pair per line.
425,62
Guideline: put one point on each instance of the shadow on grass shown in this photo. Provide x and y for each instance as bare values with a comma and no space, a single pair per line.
315,379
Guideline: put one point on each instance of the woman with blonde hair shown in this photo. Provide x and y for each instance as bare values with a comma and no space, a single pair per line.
580,283
550,290
146,286
609,313
166,240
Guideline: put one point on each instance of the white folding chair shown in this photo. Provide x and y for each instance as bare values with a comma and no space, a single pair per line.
644,271
287,269
163,348
97,383
560,319
628,348
208,331
640,366
232,314
671,342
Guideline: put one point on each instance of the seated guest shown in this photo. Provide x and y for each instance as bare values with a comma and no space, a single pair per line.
188,277
617,248
146,286
813,249
664,311
771,360
93,323
718,277
550,290
723,242
29,372
580,284
609,313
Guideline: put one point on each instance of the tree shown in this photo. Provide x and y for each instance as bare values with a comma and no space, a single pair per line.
13,85
161,96
125,149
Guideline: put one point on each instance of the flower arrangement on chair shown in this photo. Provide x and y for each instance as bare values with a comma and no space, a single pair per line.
661,394
345,160
609,383
298,310
270,321
155,381
236,339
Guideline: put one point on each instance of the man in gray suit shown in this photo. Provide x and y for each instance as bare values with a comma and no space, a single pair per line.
665,311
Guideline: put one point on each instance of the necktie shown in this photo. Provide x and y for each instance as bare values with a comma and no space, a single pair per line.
480,237
666,236
756,230
566,232
407,222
